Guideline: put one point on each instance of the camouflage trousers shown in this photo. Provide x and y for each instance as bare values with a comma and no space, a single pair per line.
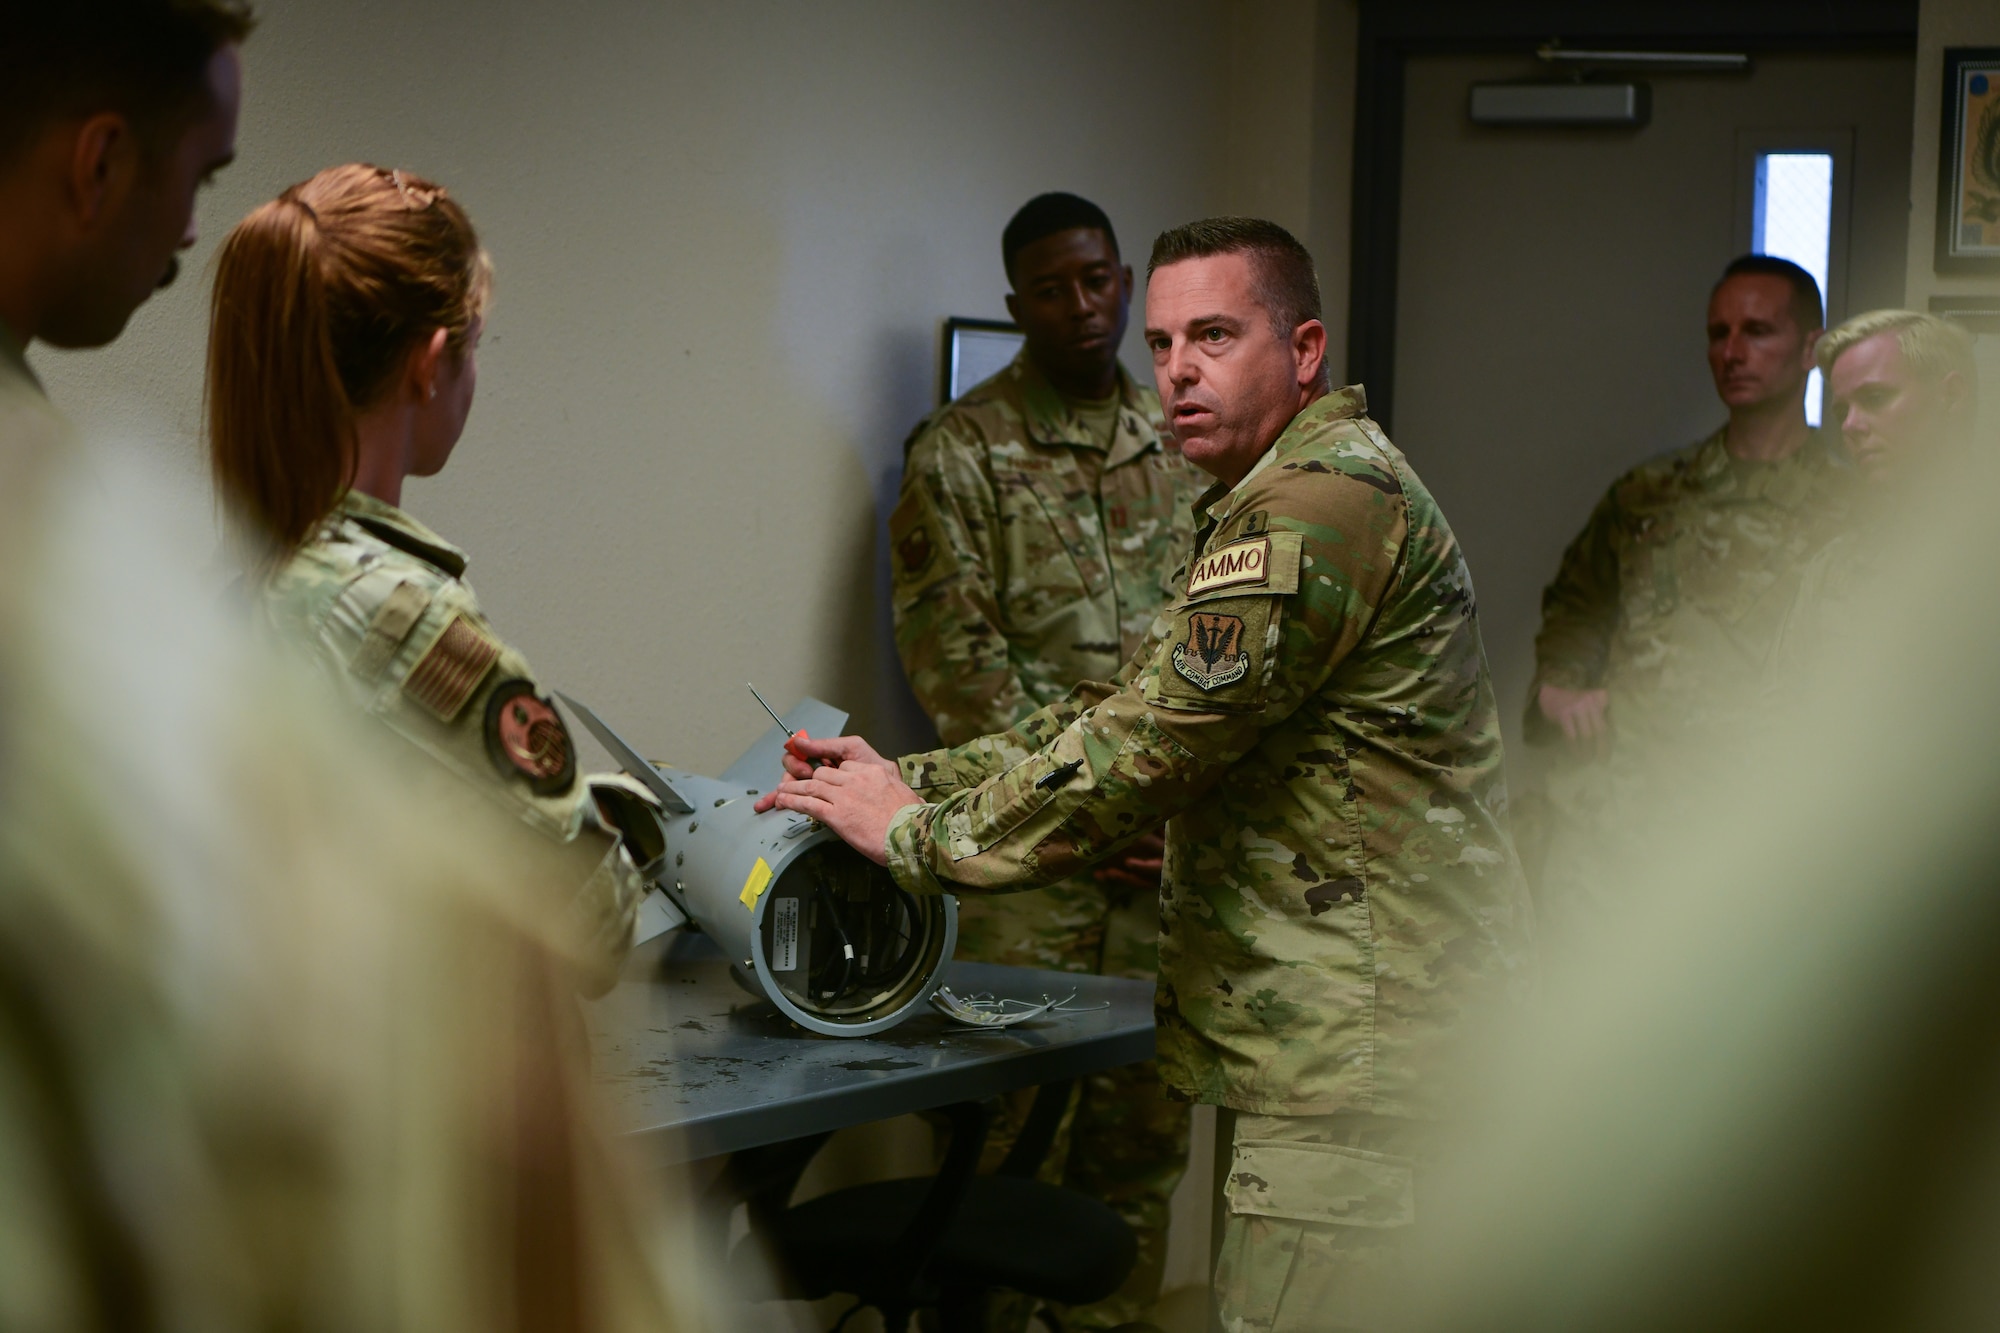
1317,1230
1124,1141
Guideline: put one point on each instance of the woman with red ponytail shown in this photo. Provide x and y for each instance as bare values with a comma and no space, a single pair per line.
342,360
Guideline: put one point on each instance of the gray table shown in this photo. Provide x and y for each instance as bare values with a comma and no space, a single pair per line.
699,1067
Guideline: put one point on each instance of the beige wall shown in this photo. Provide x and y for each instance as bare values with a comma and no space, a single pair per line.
1291,133
725,236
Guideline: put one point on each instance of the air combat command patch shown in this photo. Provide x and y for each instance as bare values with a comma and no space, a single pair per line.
1213,654
525,736
1216,655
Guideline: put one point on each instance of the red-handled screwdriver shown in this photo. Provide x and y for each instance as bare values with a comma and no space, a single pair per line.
789,733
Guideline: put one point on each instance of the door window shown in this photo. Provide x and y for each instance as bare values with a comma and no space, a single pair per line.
1792,218
1792,202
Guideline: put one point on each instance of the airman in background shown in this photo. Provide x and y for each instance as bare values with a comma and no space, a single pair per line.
1664,609
1342,911
1042,518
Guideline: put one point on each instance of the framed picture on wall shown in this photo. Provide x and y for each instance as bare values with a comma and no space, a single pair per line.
974,350
1968,214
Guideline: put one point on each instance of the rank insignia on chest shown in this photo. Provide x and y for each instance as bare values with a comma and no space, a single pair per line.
1212,654
525,736
1242,563
916,551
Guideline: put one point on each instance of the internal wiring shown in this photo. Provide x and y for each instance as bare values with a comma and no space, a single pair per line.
840,933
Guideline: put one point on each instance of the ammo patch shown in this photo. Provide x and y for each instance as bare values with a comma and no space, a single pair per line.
448,673
1239,564
1213,654
525,736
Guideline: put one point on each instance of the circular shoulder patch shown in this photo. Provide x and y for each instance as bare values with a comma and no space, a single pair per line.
525,737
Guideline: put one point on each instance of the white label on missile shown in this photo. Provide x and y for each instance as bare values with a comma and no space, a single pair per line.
785,935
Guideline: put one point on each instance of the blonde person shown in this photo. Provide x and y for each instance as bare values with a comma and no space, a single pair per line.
1903,390
342,361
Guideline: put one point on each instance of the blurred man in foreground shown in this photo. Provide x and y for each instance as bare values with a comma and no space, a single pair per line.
1041,523
1766,1095
276,1050
1312,716
1664,608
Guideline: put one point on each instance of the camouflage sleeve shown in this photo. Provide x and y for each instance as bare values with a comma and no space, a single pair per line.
1580,609
411,648
945,571
938,773
1237,660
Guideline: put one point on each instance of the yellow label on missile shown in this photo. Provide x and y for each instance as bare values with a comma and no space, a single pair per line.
753,887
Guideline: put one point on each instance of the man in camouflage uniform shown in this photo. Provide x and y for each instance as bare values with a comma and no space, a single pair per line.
1312,715
1042,518
104,1221
1664,609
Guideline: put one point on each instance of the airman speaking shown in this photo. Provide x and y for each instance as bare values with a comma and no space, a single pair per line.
1312,717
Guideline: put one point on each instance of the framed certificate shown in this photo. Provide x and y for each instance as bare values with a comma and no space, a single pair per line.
1968,213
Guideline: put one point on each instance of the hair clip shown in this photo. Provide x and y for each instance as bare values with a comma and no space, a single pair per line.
415,200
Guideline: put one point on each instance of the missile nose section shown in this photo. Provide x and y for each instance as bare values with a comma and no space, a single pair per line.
807,922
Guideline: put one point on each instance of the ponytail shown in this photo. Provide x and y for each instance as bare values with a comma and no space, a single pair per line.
320,295
280,426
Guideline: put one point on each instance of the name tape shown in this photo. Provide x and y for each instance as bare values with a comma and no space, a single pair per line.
1244,562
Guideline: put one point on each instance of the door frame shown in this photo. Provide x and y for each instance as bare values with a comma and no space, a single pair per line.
1391,31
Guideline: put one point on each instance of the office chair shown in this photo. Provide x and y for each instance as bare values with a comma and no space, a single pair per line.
942,1241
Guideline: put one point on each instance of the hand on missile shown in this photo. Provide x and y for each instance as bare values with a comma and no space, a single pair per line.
854,791
803,755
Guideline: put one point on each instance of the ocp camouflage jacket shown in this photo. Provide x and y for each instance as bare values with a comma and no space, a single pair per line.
1672,595
378,602
1313,716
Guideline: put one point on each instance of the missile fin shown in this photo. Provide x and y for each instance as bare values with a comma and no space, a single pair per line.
656,781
